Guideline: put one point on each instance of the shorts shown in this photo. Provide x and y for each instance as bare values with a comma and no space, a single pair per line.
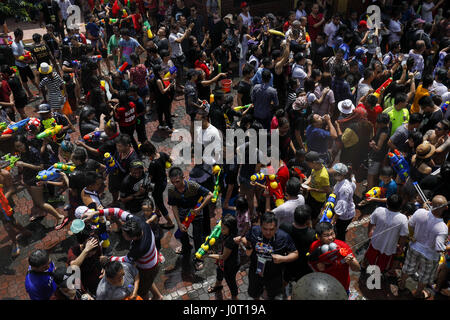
375,257
25,73
416,262
374,168
21,103
146,279
256,285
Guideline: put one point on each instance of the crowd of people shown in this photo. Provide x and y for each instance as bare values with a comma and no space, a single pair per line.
361,111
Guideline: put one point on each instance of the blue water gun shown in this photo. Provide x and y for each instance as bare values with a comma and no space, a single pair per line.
111,163
76,64
14,127
327,212
51,174
400,165
445,106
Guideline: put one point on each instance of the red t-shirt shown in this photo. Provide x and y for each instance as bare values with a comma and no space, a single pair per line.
313,32
286,26
283,177
372,114
339,271
5,91
200,65
126,116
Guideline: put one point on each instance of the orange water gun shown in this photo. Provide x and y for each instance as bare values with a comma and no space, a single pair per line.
5,204
380,90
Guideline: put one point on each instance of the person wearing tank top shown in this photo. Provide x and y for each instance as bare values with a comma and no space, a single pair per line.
244,17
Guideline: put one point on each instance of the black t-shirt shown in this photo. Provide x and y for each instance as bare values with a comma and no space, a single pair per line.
230,174
245,89
186,12
233,258
216,33
188,199
17,90
77,179
216,117
50,12
41,52
157,169
107,146
303,238
130,186
430,121
51,43
78,52
281,244
163,44
378,156
88,126
221,57
124,164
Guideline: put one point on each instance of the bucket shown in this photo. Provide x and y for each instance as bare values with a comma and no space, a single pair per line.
77,226
226,85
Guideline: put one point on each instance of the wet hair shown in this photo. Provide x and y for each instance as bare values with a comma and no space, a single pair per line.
302,214
415,118
80,154
231,222
38,258
394,202
386,172
132,228
112,268
323,227
269,217
91,177
123,139
147,148
241,204
293,186
175,172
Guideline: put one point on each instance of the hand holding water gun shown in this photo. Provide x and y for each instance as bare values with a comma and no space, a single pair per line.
102,232
95,136
376,192
122,68
111,165
275,190
5,204
66,168
26,57
96,58
444,106
149,30
14,127
276,33
189,218
243,107
216,171
51,174
76,64
3,126
327,212
210,240
171,72
50,132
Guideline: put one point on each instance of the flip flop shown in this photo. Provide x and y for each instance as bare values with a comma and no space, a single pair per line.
212,289
15,251
61,225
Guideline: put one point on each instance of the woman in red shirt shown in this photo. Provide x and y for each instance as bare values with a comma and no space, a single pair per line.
201,64
125,114
315,22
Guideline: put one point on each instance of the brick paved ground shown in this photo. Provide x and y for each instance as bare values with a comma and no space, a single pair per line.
177,279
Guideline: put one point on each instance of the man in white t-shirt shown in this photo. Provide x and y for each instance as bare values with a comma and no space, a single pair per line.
427,10
209,138
430,236
395,27
388,230
285,212
330,30
176,37
298,68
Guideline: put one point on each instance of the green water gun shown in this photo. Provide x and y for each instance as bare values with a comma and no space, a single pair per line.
210,241
9,161
3,126
216,170
238,108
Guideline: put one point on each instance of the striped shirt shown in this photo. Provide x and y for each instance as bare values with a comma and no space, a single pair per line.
142,251
53,84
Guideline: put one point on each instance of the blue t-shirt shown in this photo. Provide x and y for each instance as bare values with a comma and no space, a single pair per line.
128,47
40,285
317,139
346,49
93,29
391,188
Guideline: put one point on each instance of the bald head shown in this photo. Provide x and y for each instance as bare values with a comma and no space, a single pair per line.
440,203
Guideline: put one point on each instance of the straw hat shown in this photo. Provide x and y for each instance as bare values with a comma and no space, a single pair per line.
45,68
425,151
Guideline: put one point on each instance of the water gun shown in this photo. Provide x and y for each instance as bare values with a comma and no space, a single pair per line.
243,107
5,204
110,20
375,192
15,70
51,174
210,240
307,37
171,71
3,126
14,127
96,58
111,165
276,33
124,13
189,218
327,212
216,170
76,64
49,123
26,56
275,190
445,106
50,132
9,161
122,68
66,168
399,163
102,85
168,164
327,254
149,30
95,136
211,98
380,90
219,68
103,234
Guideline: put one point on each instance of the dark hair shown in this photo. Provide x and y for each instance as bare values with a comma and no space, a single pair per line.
302,214
37,37
323,227
147,148
112,268
309,85
175,172
394,202
386,171
248,69
400,97
132,228
38,258
368,73
268,217
133,88
231,222
293,186
445,123
21,138
383,118
408,209
125,32
83,235
123,139
427,81
415,118
426,101
79,154
18,32
372,100
266,61
416,137
91,177
134,58
241,204
339,70
266,76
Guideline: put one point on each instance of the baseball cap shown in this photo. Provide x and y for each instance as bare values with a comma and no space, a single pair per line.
312,156
360,51
137,164
80,210
340,168
363,23
244,4
44,108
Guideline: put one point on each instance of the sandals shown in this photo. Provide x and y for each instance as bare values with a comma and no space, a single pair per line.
62,224
213,289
